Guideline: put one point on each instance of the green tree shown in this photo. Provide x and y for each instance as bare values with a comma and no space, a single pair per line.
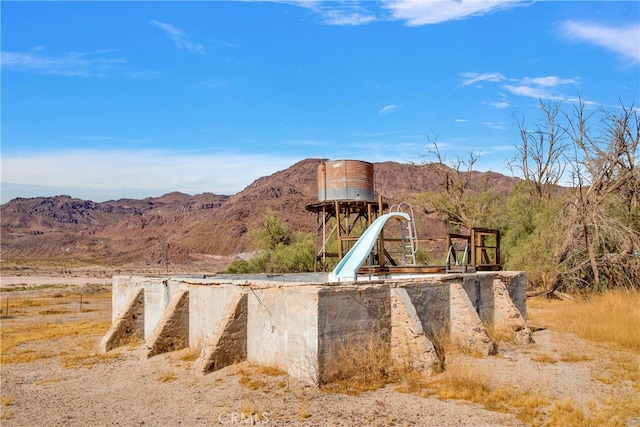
277,250
529,236
272,232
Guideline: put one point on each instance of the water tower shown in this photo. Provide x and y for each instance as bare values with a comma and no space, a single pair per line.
346,206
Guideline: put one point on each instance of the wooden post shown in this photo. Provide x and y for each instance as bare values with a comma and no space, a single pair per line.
339,229
473,247
381,253
498,247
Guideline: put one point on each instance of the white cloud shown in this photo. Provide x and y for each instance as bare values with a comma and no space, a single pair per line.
86,64
472,78
500,104
624,41
549,87
336,13
424,12
548,81
413,12
179,38
546,87
106,171
461,120
495,125
388,109
341,17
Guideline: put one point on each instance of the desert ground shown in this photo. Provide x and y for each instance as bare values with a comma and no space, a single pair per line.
53,375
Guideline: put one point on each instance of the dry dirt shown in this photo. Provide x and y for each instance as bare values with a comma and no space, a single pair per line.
61,380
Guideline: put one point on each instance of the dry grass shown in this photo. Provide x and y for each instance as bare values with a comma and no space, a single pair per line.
185,356
533,408
573,358
17,336
251,384
414,382
85,354
5,413
498,335
620,411
167,377
6,400
256,377
49,381
467,383
270,371
621,368
543,358
358,366
612,318
31,334
249,414
190,355
303,414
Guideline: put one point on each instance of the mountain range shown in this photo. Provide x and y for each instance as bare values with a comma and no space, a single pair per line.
202,229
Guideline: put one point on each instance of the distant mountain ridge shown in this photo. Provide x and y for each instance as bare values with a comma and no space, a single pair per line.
182,227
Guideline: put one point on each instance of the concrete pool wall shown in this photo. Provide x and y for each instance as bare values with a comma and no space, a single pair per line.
298,323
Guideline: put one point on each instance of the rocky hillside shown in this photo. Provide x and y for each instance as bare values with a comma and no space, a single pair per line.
184,228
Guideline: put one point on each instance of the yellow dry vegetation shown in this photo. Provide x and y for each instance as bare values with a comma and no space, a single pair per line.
543,358
30,334
271,371
5,413
357,366
612,317
256,377
13,337
167,377
470,384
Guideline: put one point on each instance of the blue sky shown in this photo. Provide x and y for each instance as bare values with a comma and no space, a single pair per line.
103,100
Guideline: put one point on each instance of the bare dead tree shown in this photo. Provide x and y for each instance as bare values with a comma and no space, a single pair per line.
599,245
456,204
540,154
624,131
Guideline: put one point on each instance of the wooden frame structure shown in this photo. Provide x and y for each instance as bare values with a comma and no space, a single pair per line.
342,221
339,221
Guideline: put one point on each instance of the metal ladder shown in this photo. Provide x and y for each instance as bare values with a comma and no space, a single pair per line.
459,266
408,234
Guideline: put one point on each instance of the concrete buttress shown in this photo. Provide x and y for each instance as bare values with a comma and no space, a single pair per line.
127,326
172,331
227,343
506,315
410,346
465,327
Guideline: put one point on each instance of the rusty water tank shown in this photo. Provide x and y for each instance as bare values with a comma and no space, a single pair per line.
345,180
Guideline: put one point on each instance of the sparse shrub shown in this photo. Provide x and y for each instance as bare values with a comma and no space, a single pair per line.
357,365
238,266
270,371
167,377
467,383
278,251
544,358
